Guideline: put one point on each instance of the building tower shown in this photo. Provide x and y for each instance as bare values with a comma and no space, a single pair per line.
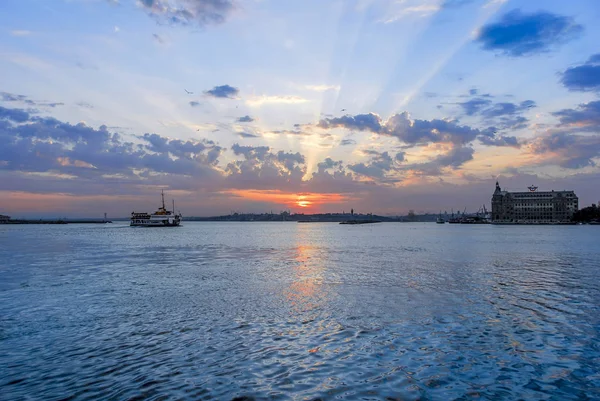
497,210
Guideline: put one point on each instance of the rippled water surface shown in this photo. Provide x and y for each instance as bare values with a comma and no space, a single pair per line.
299,311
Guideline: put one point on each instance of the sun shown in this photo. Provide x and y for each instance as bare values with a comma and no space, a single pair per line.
303,203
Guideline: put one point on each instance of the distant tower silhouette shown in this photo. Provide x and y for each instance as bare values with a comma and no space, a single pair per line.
352,212
104,216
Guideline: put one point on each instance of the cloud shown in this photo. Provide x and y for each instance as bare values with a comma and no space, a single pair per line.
507,109
245,119
346,142
510,141
251,152
247,135
20,32
407,130
423,131
194,103
569,150
361,122
379,166
11,97
290,160
474,106
502,115
322,88
33,144
16,115
188,12
413,9
289,132
158,39
585,77
263,169
260,100
518,34
329,163
574,142
454,158
223,91
585,118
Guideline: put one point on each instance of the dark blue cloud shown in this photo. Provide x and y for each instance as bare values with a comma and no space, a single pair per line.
290,160
188,12
223,91
176,147
586,117
423,131
518,34
11,97
474,106
502,115
585,77
378,167
510,141
412,132
245,119
251,152
569,150
45,144
346,142
194,103
361,122
454,158
506,108
262,169
16,115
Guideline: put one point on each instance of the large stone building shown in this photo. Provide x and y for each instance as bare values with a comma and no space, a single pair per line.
533,207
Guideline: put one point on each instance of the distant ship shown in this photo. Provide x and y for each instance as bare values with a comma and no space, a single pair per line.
440,220
360,221
161,218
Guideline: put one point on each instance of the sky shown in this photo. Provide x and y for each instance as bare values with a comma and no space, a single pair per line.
311,106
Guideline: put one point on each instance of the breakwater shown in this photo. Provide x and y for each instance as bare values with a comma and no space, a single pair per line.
60,221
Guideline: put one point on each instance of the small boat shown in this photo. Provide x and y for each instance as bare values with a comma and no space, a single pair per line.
440,220
161,218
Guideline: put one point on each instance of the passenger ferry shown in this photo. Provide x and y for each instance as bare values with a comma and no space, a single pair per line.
161,218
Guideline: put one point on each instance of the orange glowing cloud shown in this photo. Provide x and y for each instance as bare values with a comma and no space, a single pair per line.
307,201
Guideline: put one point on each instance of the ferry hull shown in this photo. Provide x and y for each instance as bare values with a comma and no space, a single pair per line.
156,224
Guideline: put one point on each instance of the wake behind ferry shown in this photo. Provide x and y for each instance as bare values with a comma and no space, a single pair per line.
161,218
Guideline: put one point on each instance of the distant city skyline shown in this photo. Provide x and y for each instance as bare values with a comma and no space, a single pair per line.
383,106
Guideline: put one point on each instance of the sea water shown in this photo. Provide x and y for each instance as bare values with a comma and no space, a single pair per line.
299,311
